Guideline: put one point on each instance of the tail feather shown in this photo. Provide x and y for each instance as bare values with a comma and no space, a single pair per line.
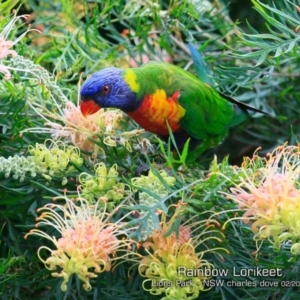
243,105
242,111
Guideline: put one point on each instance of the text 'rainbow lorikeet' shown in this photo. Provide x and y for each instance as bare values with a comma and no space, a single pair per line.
158,92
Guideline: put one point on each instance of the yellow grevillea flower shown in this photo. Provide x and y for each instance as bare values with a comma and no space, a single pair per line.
87,244
154,184
53,158
169,251
103,184
271,196
49,159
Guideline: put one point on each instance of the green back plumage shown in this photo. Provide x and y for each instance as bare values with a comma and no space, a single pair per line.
208,113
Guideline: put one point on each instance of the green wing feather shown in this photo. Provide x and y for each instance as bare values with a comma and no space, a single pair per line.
209,114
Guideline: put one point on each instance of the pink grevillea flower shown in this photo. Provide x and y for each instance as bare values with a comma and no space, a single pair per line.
6,45
270,195
87,244
84,132
169,254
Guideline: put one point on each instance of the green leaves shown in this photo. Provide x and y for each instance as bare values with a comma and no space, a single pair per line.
282,40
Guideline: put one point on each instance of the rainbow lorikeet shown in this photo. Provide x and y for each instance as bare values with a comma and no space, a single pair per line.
158,93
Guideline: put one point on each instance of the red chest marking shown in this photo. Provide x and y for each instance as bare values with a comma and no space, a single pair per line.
156,109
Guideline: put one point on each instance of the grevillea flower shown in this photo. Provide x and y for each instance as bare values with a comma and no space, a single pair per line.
88,241
169,251
80,130
84,132
6,45
155,184
49,159
103,184
271,197
53,158
18,167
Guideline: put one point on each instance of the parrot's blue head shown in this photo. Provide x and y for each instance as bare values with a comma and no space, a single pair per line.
107,88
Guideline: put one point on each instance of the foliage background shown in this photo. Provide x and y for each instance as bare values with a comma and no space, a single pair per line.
253,54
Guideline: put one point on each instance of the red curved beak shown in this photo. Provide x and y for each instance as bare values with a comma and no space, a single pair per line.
88,107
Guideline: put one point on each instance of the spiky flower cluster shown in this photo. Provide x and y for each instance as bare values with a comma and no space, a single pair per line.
49,159
87,244
271,197
84,132
81,131
168,252
154,183
103,184
54,159
18,166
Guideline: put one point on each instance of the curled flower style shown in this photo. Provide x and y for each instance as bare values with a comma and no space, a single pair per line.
54,159
88,242
271,197
168,251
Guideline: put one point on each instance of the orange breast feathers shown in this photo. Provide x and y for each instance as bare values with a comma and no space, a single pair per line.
156,109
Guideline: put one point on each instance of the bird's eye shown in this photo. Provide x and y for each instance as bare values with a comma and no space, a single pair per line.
105,89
